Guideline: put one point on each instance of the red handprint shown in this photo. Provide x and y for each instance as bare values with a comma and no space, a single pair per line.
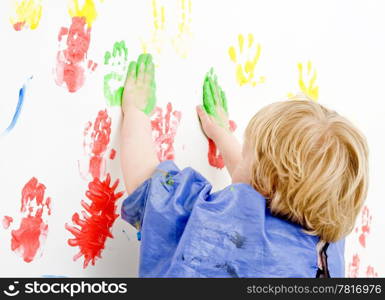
71,60
164,128
27,241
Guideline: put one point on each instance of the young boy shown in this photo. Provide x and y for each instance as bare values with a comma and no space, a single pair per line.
298,184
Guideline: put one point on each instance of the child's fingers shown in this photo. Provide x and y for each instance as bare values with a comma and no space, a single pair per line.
208,101
203,116
141,61
131,73
149,70
212,89
141,72
224,101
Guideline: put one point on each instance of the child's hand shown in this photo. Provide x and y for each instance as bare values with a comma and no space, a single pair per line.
139,89
213,115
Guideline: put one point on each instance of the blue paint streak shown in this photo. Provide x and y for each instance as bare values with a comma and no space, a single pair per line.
18,108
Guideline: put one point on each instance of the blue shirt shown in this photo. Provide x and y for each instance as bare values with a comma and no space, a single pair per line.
187,231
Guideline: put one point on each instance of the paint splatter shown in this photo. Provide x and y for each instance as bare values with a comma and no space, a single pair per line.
164,129
96,142
246,60
237,239
157,40
94,227
366,220
27,14
7,221
229,269
19,107
114,80
27,241
214,157
183,38
112,154
354,267
126,234
307,81
370,272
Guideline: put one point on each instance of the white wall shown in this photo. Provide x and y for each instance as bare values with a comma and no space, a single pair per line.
343,39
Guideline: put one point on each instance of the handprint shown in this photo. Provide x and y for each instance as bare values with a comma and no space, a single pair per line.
155,44
215,105
71,59
164,128
87,10
246,60
27,14
307,81
114,80
183,38
28,240
140,85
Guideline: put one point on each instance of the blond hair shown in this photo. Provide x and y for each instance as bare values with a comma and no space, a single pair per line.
311,164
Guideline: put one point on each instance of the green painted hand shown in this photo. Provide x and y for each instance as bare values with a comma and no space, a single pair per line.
214,99
114,81
140,85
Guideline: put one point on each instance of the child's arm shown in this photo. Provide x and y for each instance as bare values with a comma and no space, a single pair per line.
215,123
138,154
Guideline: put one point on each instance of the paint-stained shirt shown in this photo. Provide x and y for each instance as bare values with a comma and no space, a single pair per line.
188,231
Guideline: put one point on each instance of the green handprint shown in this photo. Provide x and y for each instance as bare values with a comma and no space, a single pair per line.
214,98
133,71
114,81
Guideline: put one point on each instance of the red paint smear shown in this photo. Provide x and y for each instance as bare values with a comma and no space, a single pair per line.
100,138
27,240
164,128
370,272
214,157
18,26
112,154
7,222
70,61
354,266
94,227
366,219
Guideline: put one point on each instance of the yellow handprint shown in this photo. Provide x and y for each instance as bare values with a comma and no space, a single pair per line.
157,40
182,40
87,10
245,65
307,86
28,14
